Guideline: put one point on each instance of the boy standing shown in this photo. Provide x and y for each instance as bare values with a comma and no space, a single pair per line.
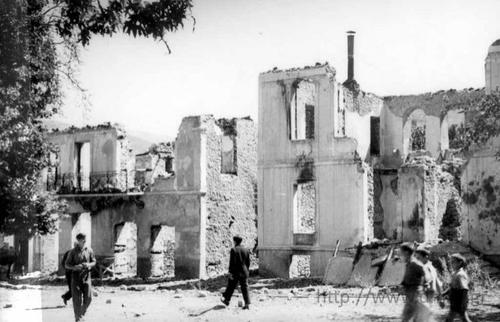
239,270
459,289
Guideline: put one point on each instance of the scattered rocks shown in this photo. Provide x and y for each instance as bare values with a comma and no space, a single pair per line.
265,290
108,301
178,296
202,294
7,306
123,287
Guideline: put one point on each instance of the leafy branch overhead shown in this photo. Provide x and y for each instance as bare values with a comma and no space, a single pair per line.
84,18
39,42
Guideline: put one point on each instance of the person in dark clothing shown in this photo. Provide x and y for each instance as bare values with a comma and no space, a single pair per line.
239,270
80,261
459,289
413,285
67,296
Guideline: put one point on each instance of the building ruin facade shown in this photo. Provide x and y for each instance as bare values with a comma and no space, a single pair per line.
169,212
339,164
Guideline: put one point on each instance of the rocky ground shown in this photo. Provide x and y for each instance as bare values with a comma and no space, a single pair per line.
273,300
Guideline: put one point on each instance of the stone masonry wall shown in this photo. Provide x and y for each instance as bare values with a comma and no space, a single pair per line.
231,203
425,189
306,208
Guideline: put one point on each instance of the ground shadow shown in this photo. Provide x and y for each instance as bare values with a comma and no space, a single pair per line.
214,308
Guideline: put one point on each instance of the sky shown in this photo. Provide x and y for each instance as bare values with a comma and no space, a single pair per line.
401,47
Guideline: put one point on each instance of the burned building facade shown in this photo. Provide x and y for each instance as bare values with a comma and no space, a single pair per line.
315,185
168,212
336,163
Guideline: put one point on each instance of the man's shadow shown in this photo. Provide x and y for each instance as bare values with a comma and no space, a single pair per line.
214,308
47,308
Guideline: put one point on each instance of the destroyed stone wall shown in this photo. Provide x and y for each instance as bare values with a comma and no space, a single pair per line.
481,201
306,208
439,111
425,190
300,266
126,172
370,200
231,203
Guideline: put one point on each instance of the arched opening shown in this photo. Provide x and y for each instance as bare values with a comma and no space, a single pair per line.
414,132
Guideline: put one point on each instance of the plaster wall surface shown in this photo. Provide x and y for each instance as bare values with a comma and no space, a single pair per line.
103,144
492,69
390,206
481,200
180,211
341,181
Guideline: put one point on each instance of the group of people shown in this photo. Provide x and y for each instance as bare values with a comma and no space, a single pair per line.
421,284
79,261
423,288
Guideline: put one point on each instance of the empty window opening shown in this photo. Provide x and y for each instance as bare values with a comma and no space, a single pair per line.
169,165
229,156
455,136
340,115
302,112
125,250
375,135
162,251
300,266
82,166
304,208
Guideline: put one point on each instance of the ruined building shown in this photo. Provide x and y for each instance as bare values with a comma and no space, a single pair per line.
169,212
492,67
315,180
337,163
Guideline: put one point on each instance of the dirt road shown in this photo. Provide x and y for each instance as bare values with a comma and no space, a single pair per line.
304,304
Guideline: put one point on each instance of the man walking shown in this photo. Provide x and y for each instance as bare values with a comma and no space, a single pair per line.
433,285
413,282
67,296
80,261
239,265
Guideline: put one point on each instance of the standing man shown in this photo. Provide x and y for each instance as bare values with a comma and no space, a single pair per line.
433,285
413,283
239,269
459,289
80,261
67,296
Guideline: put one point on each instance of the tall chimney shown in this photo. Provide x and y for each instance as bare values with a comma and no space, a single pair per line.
350,55
351,83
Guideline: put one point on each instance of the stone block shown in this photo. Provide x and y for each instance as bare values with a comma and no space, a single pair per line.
338,271
364,273
393,273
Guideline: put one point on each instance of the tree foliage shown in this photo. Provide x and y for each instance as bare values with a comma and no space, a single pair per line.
482,122
30,71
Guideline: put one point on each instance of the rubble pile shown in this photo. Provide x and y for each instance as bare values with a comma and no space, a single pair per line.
379,263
